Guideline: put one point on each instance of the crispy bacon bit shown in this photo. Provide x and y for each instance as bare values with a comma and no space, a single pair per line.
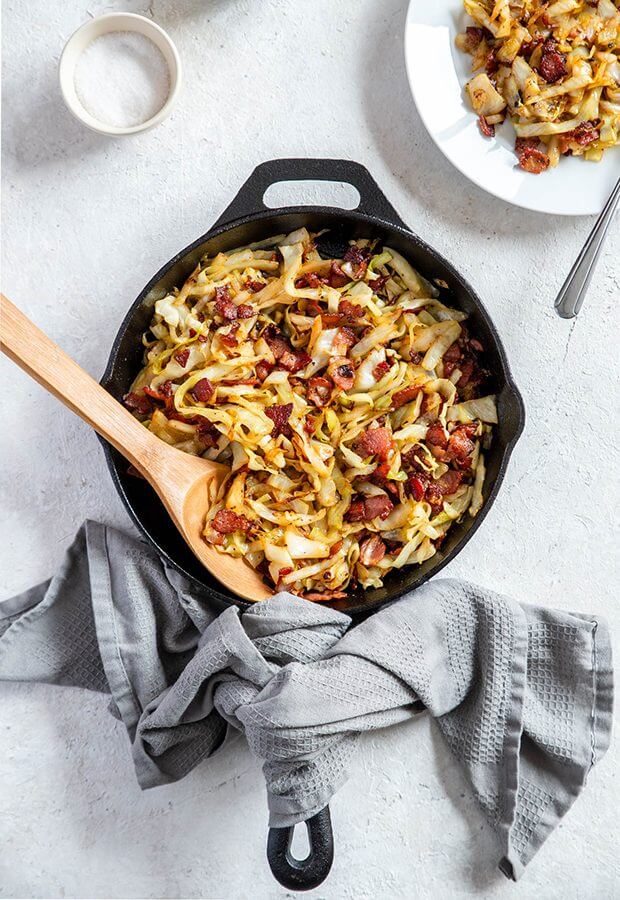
531,159
417,486
585,133
309,425
377,284
226,521
224,306
335,548
377,507
372,551
344,340
245,311
263,369
460,444
351,310
319,391
411,460
473,36
279,414
375,442
359,257
286,570
337,278
382,369
486,129
181,357
203,390
207,433
295,360
436,436
434,495
229,339
342,373
309,280
356,512
552,64
138,403
491,64
254,286
380,478
449,482
405,396
416,358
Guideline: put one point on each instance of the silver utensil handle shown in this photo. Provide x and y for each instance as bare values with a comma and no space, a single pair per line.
573,291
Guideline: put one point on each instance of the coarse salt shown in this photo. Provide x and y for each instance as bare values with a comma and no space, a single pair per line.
122,79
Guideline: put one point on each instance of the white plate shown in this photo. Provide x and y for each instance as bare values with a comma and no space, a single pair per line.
437,73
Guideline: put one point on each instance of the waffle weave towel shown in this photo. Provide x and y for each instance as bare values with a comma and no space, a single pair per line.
521,694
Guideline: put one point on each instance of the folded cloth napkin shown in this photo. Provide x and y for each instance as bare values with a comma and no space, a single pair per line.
521,694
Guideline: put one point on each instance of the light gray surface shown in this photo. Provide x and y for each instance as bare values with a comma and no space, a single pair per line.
86,222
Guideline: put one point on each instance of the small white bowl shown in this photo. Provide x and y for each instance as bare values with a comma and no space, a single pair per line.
87,33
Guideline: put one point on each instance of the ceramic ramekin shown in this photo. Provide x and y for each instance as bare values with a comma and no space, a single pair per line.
87,33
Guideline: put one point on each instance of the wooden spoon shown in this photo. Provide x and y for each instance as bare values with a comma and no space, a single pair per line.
185,484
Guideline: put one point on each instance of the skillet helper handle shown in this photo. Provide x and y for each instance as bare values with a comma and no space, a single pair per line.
43,360
304,874
249,199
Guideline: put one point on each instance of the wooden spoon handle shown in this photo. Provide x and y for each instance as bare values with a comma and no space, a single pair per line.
40,357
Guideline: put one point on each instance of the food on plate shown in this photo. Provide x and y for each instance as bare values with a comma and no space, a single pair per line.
553,69
352,406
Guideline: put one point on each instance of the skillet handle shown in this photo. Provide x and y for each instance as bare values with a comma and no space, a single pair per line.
249,199
305,874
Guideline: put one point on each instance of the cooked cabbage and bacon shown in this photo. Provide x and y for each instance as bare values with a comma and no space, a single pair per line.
553,69
348,401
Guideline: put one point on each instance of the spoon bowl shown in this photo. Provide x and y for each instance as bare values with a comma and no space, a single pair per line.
187,485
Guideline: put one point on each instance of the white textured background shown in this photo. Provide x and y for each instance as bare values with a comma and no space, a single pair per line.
87,220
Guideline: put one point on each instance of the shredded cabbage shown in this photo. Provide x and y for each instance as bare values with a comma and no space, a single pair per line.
553,69
344,397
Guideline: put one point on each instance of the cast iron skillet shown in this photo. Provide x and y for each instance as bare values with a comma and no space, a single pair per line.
247,219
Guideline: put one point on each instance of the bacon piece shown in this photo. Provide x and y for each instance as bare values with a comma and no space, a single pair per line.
417,486
279,414
375,442
380,478
382,369
344,340
486,129
359,257
254,286
552,64
337,278
531,159
491,64
377,507
411,460
294,360
203,390
449,482
319,391
229,339
309,280
372,551
460,445
342,373
309,425
415,357
181,357
377,284
584,134
263,369
436,436
473,37
138,403
226,521
405,396
335,548
224,306
356,512
434,495
207,433
351,310
288,358
245,311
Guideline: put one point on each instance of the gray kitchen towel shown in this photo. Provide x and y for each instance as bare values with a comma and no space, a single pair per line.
521,694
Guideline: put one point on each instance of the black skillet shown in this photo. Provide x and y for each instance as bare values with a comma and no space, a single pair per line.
245,220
